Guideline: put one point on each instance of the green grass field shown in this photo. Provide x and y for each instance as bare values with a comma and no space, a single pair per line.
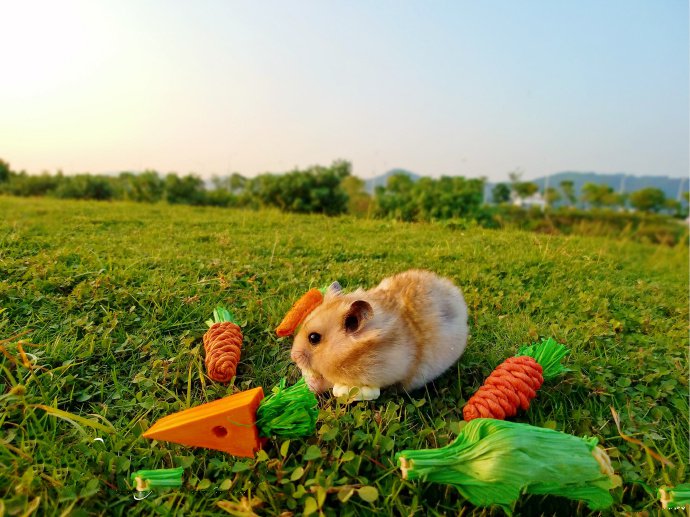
113,299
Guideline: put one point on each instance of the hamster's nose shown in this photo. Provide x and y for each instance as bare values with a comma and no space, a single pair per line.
299,357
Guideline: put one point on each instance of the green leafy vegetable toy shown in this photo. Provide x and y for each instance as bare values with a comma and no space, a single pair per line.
493,462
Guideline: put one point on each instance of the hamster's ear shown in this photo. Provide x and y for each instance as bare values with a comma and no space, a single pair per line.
356,315
333,290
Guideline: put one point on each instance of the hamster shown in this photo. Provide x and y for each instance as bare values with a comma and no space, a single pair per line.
407,330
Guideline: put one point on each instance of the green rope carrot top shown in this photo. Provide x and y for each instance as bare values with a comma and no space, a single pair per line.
495,461
548,353
288,412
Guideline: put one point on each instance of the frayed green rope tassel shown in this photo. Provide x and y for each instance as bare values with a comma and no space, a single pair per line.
548,353
288,412
492,462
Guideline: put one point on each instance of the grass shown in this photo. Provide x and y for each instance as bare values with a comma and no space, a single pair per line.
113,297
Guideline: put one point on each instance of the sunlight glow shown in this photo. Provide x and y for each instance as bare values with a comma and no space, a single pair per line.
462,88
47,46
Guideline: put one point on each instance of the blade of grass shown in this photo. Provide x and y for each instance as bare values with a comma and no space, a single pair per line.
658,457
73,419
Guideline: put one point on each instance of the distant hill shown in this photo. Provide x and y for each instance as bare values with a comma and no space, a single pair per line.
620,182
382,179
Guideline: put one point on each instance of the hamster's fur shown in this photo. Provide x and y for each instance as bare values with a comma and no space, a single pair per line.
407,330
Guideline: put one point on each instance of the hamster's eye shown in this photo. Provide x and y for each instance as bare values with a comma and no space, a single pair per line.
315,338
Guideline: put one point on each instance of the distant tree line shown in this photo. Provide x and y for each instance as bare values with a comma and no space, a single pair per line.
314,190
333,190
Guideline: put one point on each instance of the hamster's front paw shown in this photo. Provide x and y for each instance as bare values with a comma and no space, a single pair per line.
359,393
315,381
368,393
340,389
317,384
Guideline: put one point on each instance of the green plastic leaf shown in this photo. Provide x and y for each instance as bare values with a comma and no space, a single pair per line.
348,456
309,506
313,452
345,493
240,466
329,435
203,484
550,424
368,493
184,461
297,473
320,495
299,492
623,382
90,489
492,462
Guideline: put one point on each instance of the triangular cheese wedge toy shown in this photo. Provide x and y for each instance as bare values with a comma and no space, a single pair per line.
239,424
226,425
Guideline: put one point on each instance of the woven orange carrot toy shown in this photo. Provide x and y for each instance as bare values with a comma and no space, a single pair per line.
514,383
222,343
300,310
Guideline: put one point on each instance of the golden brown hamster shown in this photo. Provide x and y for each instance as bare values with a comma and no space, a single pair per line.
407,330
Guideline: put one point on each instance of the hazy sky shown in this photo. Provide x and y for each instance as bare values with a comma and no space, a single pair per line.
459,87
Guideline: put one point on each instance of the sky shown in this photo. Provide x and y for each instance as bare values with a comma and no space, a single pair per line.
439,88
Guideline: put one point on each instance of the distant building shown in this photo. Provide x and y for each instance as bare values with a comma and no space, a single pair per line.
536,199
